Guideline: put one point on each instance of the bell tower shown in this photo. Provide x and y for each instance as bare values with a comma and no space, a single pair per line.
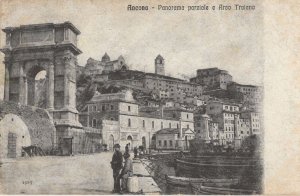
159,65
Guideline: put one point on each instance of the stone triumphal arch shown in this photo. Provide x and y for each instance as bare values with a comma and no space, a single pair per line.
52,48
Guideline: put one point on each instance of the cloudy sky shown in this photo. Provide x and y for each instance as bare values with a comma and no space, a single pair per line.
230,40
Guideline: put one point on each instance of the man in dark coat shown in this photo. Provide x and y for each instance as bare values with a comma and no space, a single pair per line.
116,165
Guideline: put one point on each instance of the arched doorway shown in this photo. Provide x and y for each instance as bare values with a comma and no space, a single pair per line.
36,87
144,142
111,142
186,142
129,141
13,136
153,141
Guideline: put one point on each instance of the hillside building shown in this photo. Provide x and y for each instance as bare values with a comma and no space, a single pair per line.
252,94
94,67
212,78
121,120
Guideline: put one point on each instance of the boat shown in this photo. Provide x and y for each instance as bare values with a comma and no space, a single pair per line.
185,182
213,169
199,189
221,160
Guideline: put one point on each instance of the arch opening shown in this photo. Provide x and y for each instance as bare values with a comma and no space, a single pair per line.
37,87
144,142
111,142
129,142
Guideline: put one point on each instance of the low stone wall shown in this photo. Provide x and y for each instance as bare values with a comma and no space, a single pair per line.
147,185
37,120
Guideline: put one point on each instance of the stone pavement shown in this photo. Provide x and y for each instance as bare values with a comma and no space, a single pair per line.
80,174
146,182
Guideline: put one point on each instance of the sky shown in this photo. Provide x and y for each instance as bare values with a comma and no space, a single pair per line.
230,40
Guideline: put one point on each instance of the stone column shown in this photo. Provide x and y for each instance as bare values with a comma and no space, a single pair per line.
21,85
206,128
25,91
6,84
67,60
50,82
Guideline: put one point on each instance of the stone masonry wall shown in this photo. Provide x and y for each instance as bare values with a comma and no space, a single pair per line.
38,121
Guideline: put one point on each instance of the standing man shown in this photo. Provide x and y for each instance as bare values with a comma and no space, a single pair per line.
116,165
126,172
127,148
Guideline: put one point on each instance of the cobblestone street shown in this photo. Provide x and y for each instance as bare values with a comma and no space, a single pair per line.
80,174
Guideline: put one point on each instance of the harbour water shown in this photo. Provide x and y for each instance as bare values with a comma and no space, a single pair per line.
249,177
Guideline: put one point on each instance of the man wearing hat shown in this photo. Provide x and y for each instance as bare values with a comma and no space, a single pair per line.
116,165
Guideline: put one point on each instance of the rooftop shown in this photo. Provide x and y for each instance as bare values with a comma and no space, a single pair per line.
42,25
168,131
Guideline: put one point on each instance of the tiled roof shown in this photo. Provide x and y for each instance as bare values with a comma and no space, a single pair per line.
168,131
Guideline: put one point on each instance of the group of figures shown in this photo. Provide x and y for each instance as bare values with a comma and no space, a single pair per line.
121,172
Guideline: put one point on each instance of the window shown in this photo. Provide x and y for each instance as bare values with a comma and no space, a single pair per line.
152,124
171,143
129,108
162,125
94,123
112,118
129,122
169,125
103,108
159,142
165,143
177,125
111,107
95,108
187,116
188,126
144,123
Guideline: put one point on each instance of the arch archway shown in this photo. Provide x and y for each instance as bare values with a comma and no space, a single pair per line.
186,142
129,141
144,142
111,142
153,141
14,135
36,86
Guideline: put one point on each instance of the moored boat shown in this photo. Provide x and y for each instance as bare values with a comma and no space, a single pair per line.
198,189
185,182
213,169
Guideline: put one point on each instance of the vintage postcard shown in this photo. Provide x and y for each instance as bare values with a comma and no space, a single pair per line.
148,97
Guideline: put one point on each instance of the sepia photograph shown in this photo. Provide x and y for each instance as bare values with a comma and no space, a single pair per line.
132,97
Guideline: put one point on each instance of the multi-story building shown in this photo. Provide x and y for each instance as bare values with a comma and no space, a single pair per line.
252,94
212,78
176,88
244,128
227,117
254,118
224,122
122,121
